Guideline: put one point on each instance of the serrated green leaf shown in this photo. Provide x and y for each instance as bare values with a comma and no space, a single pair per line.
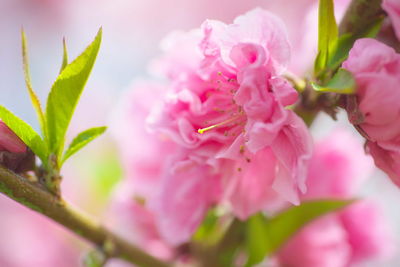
342,82
65,93
82,140
65,56
270,234
25,132
34,99
327,34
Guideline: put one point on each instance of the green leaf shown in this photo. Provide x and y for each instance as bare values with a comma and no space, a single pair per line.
25,132
65,93
346,42
342,82
82,140
34,99
327,34
65,56
256,243
268,235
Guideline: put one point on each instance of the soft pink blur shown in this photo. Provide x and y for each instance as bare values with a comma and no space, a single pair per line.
132,30
29,239
338,167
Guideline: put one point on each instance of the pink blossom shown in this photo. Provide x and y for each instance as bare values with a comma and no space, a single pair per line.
187,191
376,68
392,7
226,104
176,187
222,132
372,240
343,238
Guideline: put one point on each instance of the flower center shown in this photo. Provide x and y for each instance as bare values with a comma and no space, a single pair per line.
224,114
221,124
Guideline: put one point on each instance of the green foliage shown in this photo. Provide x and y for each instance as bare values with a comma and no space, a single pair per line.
346,42
342,82
61,104
82,140
265,236
334,49
65,56
34,99
257,243
24,131
65,93
210,231
327,35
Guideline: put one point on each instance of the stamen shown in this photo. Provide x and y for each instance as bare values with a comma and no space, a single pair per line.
233,119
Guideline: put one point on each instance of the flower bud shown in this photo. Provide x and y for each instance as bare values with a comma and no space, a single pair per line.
14,154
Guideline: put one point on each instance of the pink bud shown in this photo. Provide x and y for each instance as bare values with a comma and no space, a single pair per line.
9,141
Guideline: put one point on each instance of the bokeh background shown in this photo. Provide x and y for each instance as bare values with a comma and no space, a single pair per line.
132,32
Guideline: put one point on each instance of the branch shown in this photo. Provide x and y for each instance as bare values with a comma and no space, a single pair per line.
36,198
360,15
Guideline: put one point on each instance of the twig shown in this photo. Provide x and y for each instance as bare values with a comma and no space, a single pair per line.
34,197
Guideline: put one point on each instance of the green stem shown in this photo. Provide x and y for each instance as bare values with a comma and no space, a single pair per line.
37,198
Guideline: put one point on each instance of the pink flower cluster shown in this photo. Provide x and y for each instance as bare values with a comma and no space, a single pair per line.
351,236
376,68
221,132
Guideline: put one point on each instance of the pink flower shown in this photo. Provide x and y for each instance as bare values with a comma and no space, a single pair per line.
222,132
226,105
392,7
177,188
368,241
376,68
187,191
343,238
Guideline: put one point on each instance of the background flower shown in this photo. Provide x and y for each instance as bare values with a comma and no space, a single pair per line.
376,68
343,238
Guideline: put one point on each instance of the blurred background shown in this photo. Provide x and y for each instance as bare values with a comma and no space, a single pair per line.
132,32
